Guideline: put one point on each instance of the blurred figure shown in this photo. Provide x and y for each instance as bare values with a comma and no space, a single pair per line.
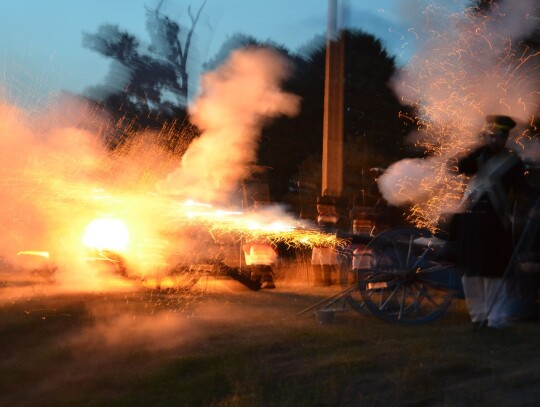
363,222
324,259
261,257
484,230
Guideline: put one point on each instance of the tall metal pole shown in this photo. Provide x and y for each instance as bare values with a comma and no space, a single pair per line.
332,159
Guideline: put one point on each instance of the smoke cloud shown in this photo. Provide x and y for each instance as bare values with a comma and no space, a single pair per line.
468,65
401,189
235,101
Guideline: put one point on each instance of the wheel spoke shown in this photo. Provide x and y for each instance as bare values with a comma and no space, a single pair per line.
416,303
426,295
412,307
402,303
398,254
390,296
436,268
409,249
422,256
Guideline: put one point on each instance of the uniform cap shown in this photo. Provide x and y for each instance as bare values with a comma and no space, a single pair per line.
501,122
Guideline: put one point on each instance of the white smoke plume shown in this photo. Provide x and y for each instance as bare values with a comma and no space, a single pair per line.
468,65
234,103
400,189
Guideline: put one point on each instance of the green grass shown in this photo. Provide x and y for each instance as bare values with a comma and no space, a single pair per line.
251,349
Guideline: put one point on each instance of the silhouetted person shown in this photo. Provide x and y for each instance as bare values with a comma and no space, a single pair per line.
324,259
261,257
484,230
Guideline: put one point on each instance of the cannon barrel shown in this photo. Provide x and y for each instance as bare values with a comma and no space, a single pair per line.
354,238
446,251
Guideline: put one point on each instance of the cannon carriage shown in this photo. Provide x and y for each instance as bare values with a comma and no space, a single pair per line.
404,276
408,275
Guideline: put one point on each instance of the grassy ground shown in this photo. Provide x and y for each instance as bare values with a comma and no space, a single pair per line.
222,345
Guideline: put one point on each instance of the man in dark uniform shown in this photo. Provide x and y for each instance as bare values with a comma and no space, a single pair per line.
484,230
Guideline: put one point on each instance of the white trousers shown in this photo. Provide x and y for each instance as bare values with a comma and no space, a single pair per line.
488,298
324,256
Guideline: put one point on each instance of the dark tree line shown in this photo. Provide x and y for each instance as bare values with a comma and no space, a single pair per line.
146,87
155,78
374,134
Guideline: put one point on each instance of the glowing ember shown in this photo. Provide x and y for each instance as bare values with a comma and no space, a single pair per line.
275,226
107,234
34,253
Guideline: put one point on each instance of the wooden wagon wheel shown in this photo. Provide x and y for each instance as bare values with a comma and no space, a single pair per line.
403,281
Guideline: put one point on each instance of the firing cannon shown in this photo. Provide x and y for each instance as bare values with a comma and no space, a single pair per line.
109,263
178,265
181,276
